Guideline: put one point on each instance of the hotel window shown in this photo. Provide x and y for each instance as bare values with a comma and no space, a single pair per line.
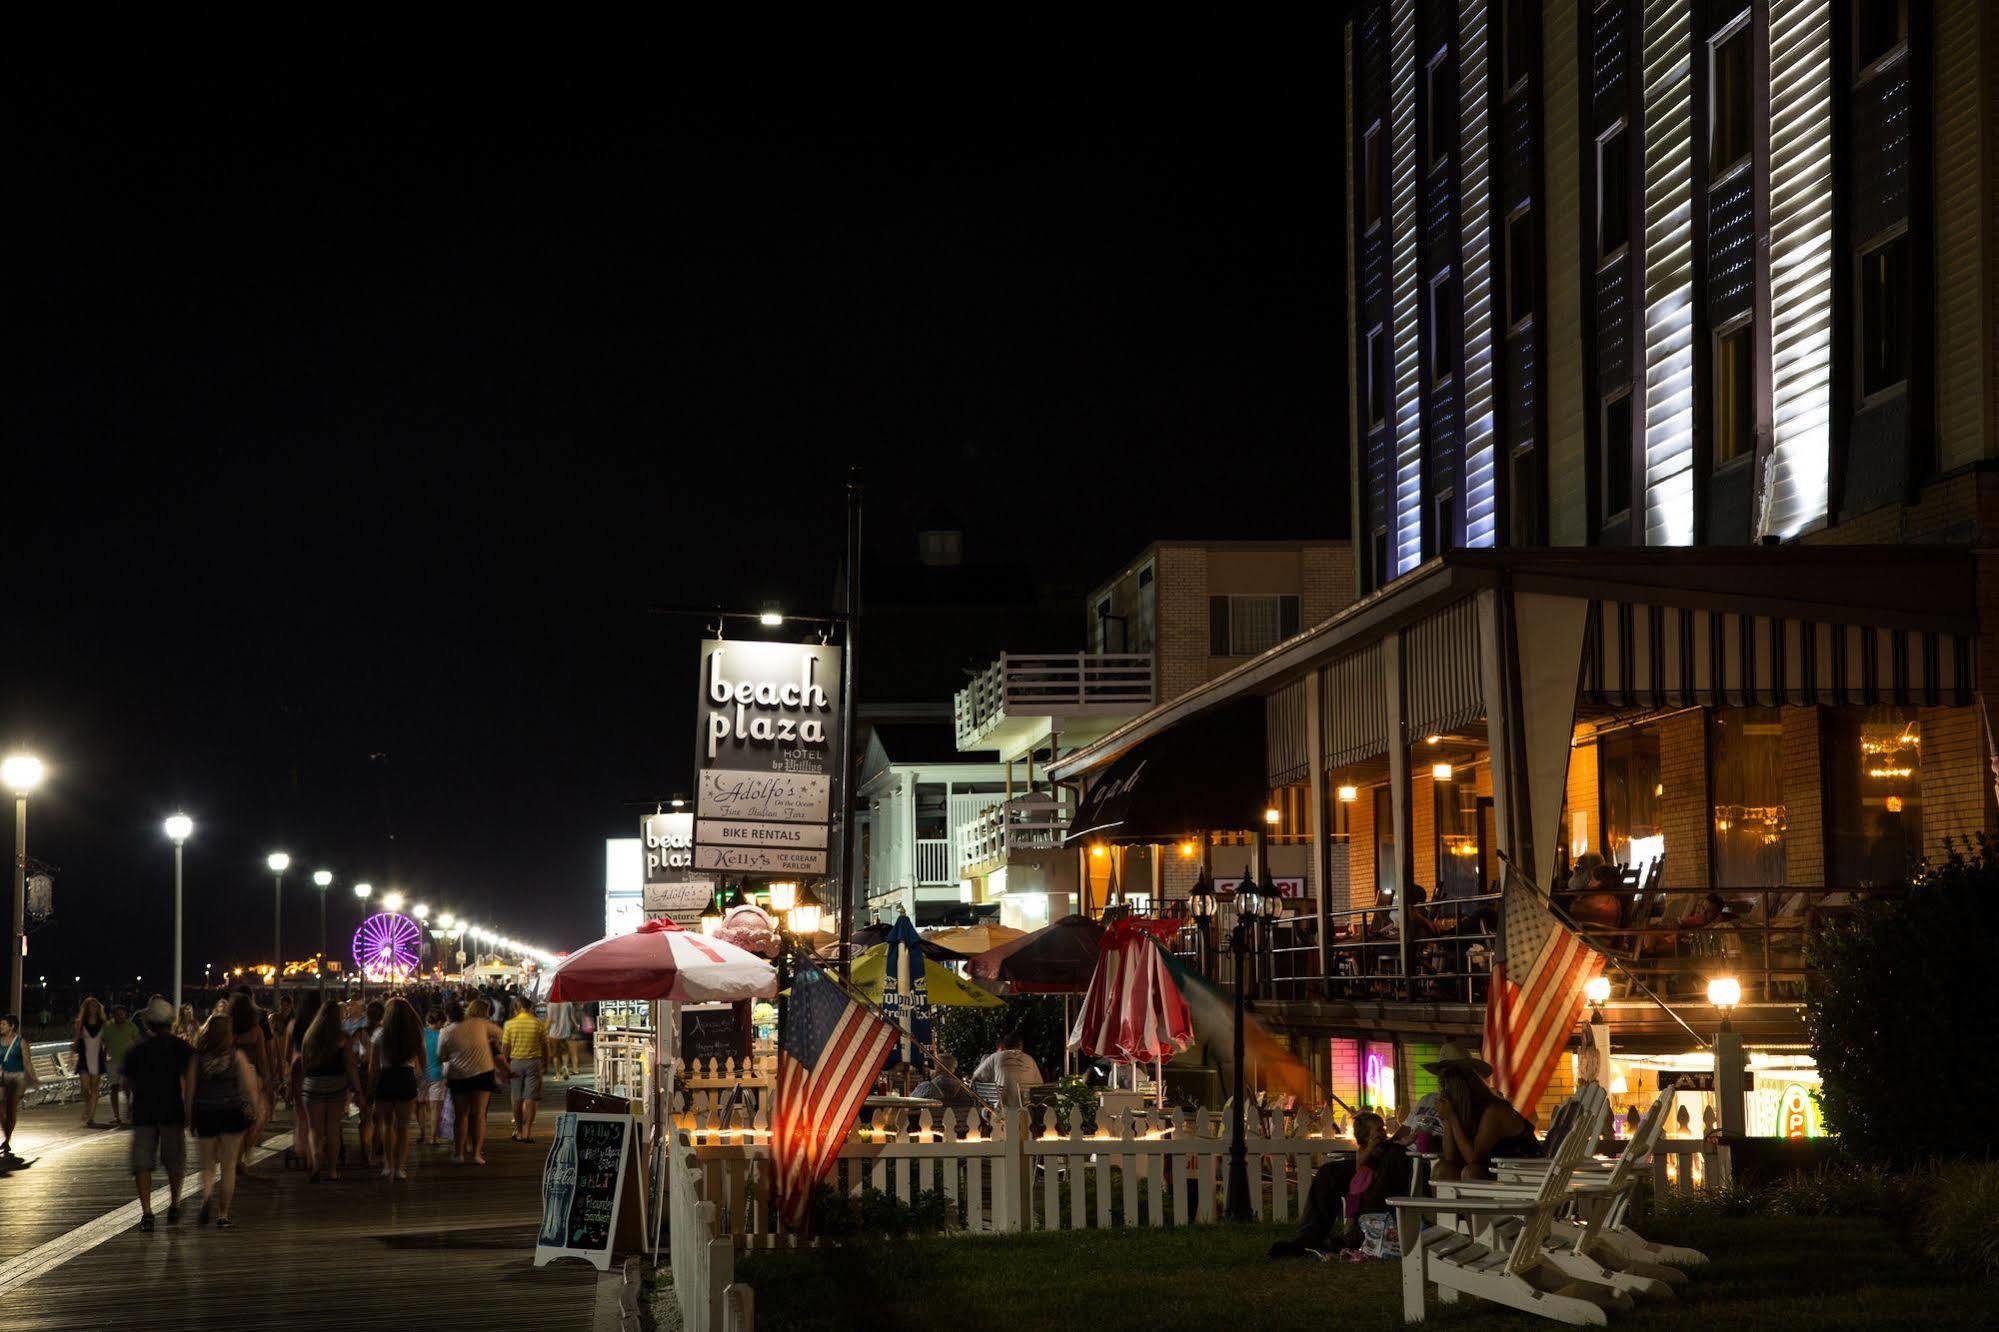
1442,357
1746,758
1613,443
1523,20
1379,381
1879,28
1519,268
1374,183
1457,837
1874,832
1613,194
1734,395
1442,97
1242,626
1884,316
1628,768
1730,130
1384,845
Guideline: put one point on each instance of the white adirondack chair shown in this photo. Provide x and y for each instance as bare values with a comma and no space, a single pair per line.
1600,1226
1516,1274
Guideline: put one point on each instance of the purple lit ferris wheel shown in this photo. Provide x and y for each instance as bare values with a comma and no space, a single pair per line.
386,947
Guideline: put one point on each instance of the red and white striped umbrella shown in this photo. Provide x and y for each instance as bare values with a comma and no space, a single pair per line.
660,960
1133,1010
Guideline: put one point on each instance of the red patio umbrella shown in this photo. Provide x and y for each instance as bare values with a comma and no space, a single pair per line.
659,960
1134,1011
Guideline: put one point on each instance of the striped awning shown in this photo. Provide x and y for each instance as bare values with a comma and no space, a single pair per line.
1638,655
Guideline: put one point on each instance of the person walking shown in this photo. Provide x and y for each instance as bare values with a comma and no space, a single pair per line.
87,1044
526,1038
561,1031
155,1072
469,1049
17,1074
120,1035
327,1076
430,1116
395,1059
222,1092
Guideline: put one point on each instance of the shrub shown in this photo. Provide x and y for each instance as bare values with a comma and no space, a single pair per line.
1959,1222
1895,985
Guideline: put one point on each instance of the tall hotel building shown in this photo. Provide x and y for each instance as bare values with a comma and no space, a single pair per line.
1674,355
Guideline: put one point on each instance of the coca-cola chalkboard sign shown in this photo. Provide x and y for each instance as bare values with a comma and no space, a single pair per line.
582,1188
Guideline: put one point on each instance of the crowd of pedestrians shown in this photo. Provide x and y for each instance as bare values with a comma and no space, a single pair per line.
416,1067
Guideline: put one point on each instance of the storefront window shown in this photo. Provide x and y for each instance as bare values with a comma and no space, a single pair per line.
1457,837
1746,758
1628,767
1874,757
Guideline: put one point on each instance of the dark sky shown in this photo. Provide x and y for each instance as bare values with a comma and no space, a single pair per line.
354,423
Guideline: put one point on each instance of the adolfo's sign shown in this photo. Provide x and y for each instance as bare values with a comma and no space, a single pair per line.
769,749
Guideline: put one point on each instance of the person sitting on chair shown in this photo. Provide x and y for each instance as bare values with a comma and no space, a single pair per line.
1345,1188
1478,1123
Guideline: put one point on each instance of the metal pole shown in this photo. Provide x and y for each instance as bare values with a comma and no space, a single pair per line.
177,901
1236,1205
277,938
20,903
849,844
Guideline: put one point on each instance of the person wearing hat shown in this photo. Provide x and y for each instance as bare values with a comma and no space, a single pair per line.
1478,1122
154,1072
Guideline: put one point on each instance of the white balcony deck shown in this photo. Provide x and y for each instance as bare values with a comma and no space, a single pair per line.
1018,701
1025,823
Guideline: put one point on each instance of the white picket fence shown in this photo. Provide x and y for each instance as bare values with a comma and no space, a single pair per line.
1149,1168
704,1258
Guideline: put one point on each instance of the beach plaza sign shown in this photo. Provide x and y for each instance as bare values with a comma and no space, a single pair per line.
769,753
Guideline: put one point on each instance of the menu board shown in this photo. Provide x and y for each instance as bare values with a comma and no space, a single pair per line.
582,1188
715,1032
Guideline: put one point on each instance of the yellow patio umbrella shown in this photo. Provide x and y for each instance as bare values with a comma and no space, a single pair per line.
944,987
971,940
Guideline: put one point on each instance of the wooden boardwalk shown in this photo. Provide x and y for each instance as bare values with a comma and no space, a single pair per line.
453,1244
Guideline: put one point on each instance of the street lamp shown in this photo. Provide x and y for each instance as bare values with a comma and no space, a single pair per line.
322,880
1249,906
179,828
1730,1064
279,862
806,912
21,774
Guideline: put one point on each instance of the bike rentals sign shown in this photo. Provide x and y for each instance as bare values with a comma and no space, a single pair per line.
768,755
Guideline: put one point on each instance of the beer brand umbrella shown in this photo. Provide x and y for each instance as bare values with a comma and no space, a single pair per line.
660,960
1133,1011
1055,959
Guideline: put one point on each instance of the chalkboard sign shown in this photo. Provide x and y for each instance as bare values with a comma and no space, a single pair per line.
719,1031
583,1187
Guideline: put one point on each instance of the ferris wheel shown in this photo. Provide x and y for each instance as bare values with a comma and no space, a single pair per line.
387,947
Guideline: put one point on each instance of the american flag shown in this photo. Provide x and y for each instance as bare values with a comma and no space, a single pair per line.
1526,1025
828,1055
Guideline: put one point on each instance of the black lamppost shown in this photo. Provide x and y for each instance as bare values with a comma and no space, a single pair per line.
1248,906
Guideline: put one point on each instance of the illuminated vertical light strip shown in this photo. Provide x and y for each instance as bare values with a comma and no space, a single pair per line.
1801,193
1669,274
1404,283
1475,285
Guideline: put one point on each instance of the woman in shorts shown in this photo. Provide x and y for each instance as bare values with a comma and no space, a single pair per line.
17,1074
222,1089
327,1074
395,1061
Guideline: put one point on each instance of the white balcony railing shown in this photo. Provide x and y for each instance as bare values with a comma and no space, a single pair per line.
1025,823
933,861
1052,685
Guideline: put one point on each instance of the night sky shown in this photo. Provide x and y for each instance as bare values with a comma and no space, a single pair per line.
354,424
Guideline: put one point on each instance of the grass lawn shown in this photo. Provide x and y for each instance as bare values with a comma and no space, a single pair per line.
1765,1272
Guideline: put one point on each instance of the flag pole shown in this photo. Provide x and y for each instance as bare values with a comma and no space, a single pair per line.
1563,916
